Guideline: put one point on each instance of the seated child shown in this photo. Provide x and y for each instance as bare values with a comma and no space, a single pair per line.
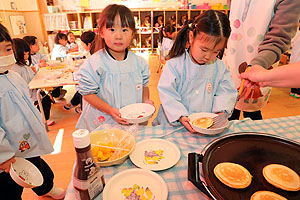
86,42
22,67
20,123
72,45
60,49
38,60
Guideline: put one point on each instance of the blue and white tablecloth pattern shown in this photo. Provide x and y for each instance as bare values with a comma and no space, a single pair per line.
179,187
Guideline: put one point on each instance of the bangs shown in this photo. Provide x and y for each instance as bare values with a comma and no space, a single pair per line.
110,13
210,38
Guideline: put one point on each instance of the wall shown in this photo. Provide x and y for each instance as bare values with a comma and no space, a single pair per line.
26,8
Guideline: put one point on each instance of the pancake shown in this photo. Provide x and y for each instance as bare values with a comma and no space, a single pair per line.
203,122
266,195
233,175
282,177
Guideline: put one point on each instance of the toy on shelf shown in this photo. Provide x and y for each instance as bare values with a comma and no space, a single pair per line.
182,21
146,24
137,22
172,20
158,23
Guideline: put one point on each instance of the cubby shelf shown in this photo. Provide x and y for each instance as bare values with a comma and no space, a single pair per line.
145,39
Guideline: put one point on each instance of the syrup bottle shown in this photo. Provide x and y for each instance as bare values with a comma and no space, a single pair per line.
88,178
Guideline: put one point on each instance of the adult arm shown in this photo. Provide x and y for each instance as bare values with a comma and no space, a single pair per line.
282,29
283,76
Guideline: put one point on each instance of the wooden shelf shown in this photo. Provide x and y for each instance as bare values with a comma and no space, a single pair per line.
141,38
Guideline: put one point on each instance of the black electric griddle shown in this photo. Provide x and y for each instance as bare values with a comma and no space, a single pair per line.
251,150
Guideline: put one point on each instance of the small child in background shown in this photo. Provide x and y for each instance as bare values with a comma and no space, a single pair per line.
72,45
86,41
196,80
22,67
60,49
166,36
112,77
38,59
22,131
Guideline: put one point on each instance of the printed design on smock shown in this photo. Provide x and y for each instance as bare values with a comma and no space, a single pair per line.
251,32
24,143
101,119
153,157
139,86
137,193
209,87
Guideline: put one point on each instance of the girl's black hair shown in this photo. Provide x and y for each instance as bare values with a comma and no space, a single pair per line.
106,20
88,37
31,40
20,46
60,36
68,33
4,34
213,23
167,29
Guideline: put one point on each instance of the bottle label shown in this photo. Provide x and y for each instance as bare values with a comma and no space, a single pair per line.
94,184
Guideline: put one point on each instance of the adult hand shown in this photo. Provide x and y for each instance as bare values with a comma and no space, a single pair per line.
255,76
186,123
117,116
6,165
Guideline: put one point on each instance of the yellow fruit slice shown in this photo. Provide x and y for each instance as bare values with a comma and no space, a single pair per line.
282,177
266,195
233,175
203,122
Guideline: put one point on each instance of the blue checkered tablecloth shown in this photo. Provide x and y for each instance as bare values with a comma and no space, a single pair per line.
179,187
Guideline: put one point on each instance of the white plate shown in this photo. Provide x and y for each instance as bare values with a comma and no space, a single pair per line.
169,156
128,178
207,131
137,113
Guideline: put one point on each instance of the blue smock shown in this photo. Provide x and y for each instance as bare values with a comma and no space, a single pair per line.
118,83
27,74
22,132
185,88
36,59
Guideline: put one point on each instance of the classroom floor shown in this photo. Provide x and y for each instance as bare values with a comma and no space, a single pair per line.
280,105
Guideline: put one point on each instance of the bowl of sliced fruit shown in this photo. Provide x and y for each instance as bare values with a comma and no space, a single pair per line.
111,146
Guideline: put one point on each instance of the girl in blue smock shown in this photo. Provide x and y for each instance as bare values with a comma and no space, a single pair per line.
38,60
23,68
22,131
60,49
112,77
196,80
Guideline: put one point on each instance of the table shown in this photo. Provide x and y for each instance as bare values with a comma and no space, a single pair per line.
50,77
176,177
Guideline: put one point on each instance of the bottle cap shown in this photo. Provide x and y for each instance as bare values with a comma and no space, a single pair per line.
81,138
